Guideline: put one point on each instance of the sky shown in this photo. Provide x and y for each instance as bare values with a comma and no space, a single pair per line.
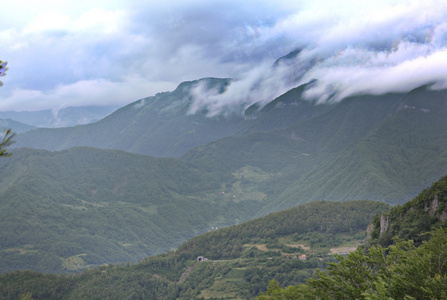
114,52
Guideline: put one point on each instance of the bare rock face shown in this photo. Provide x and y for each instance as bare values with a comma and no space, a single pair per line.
369,231
384,223
442,216
433,205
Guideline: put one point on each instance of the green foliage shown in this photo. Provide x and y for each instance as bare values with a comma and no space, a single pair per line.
6,141
411,220
310,219
3,69
401,271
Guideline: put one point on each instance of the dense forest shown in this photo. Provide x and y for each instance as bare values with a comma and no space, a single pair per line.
260,258
405,257
400,271
409,221
239,260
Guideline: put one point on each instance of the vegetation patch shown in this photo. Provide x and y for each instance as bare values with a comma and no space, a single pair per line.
74,262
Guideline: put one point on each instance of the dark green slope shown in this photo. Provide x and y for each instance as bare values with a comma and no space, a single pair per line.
383,147
319,216
242,264
67,210
346,123
397,157
404,257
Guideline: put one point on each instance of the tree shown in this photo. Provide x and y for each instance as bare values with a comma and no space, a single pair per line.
6,141
401,271
3,69
7,138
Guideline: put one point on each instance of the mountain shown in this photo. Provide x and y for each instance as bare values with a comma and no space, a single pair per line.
241,259
312,151
68,210
162,125
64,117
15,126
291,151
157,126
388,160
384,147
282,112
238,262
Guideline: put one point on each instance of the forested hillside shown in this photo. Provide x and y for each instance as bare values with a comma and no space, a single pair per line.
65,211
404,257
410,221
238,260
378,147
391,161
383,148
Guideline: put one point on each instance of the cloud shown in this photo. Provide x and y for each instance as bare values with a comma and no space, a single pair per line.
82,52
258,85
349,49
83,93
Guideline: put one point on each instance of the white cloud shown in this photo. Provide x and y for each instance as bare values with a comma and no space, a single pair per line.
258,85
85,51
84,93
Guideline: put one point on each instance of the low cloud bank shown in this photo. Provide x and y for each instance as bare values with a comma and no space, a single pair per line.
78,54
348,50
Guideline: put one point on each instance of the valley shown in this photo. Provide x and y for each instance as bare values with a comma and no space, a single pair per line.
91,206
223,150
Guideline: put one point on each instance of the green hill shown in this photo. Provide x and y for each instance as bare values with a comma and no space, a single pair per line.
242,259
65,211
410,221
162,125
404,257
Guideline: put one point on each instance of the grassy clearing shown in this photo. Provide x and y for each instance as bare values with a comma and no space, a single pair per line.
74,262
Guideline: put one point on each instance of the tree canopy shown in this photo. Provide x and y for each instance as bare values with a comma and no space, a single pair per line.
400,271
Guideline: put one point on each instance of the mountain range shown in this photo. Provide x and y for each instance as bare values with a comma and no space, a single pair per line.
227,168
288,247
383,147
63,117
152,174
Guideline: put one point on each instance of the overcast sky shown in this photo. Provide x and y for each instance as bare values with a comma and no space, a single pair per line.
113,52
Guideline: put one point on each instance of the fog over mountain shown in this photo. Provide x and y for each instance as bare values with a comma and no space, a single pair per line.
81,52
